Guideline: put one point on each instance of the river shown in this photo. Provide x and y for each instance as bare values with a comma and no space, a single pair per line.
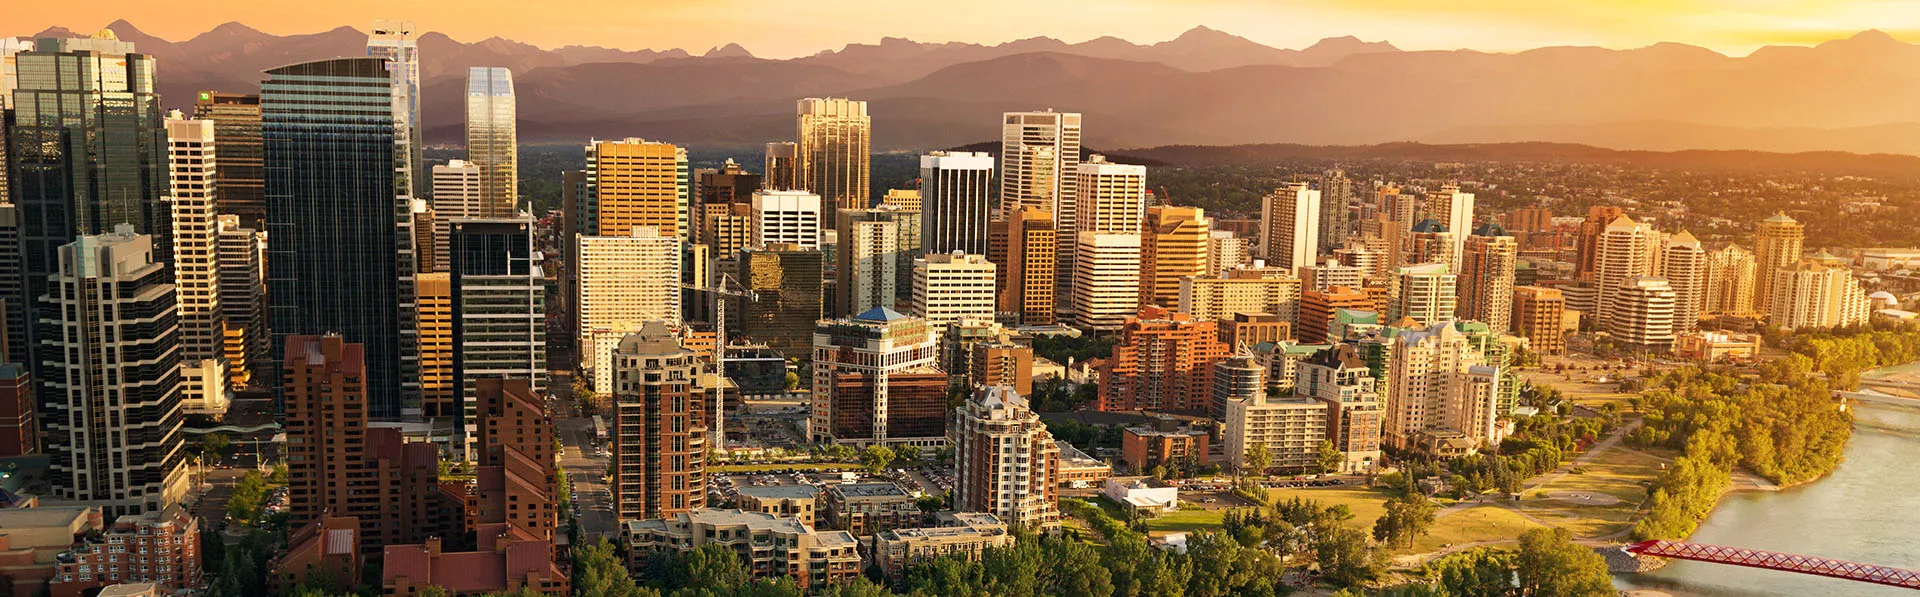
1867,511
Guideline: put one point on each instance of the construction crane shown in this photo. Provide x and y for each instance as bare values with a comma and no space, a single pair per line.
720,292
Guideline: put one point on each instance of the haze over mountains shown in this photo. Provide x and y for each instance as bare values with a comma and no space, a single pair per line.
1204,88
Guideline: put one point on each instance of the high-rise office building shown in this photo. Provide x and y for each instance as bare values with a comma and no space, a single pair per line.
950,286
434,319
243,296
1683,262
499,308
1442,394
1226,251
1108,199
241,172
786,278
1486,277
1290,217
1454,209
10,48
636,182
782,167
787,217
1106,285
88,152
1163,361
458,194
1776,246
337,464
1027,276
1643,315
13,295
1173,247
660,422
1816,294
192,159
956,196
624,281
1340,378
396,43
1424,292
1587,245
340,211
835,152
19,419
874,381
1336,194
1731,272
111,395
493,140
717,192
1005,462
1624,250
1265,290
1039,155
873,257
1537,316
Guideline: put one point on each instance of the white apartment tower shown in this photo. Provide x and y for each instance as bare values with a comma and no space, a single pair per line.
1425,292
1643,315
190,166
1454,209
1441,392
1683,262
1290,217
948,287
111,402
1625,250
624,281
787,217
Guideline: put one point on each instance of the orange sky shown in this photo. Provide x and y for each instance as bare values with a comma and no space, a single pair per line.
783,28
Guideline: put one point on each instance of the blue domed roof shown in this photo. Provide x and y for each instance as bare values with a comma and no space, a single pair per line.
1429,225
880,314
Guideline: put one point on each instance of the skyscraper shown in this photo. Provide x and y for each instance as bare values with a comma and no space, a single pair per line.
1455,209
1106,285
950,286
1537,314
624,281
1643,315
457,195
492,140
1039,154
1486,277
1424,292
1442,393
782,164
1683,262
874,381
786,278
1816,294
13,294
835,152
956,196
243,297
636,182
1586,250
661,421
1336,193
396,43
1005,462
434,319
1776,246
1163,361
1624,250
88,153
9,79
241,171
1730,281
1032,248
1291,218
1173,246
499,308
787,218
111,400
716,192
340,215
873,256
192,159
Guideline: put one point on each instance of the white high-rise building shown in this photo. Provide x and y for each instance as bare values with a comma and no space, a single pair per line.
874,257
1039,167
457,195
786,217
1625,250
113,377
1442,395
1225,252
624,281
1106,285
1291,218
956,196
1816,294
1455,209
950,286
1683,262
1643,315
190,167
1425,292
493,140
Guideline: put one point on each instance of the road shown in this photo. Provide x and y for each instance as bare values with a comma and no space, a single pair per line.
593,504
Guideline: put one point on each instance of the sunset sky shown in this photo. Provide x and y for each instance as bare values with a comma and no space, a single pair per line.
785,28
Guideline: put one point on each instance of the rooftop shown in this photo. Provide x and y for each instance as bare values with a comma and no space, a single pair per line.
781,492
845,490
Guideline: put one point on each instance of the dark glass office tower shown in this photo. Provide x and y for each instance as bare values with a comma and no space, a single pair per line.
499,299
339,220
88,152
238,173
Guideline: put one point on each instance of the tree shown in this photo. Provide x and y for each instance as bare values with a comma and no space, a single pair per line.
1331,458
876,458
910,453
930,504
598,572
1478,572
1407,517
1257,460
1551,564
214,443
793,380
712,566
1345,559
1074,570
860,587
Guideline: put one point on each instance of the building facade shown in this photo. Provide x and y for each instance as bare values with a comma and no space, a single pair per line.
1290,217
1005,461
835,152
660,427
1162,361
874,381
956,196
493,140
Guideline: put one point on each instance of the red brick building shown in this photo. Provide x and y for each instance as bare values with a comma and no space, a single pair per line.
1163,361
329,543
500,565
19,428
157,547
1317,309
1166,440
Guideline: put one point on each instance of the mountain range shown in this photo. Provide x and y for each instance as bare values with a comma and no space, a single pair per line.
1205,87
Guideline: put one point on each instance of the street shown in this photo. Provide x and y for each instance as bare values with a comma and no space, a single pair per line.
593,504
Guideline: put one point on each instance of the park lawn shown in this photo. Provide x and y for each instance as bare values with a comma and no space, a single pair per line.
1618,472
798,466
1473,525
1185,521
1367,504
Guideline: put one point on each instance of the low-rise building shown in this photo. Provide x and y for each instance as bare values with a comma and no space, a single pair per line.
33,540
867,508
971,534
329,543
501,565
161,547
796,501
1137,495
1167,440
770,546
1078,470
1705,346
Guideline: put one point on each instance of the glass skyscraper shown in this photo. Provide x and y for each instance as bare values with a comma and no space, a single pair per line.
88,151
491,140
339,217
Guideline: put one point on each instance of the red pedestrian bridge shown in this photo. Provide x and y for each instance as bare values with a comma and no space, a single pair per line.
1786,562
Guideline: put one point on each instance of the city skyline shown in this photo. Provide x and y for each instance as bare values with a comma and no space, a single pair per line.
1726,26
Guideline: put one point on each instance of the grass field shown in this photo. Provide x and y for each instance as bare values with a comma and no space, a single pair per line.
1619,473
1367,503
1473,525
1185,521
